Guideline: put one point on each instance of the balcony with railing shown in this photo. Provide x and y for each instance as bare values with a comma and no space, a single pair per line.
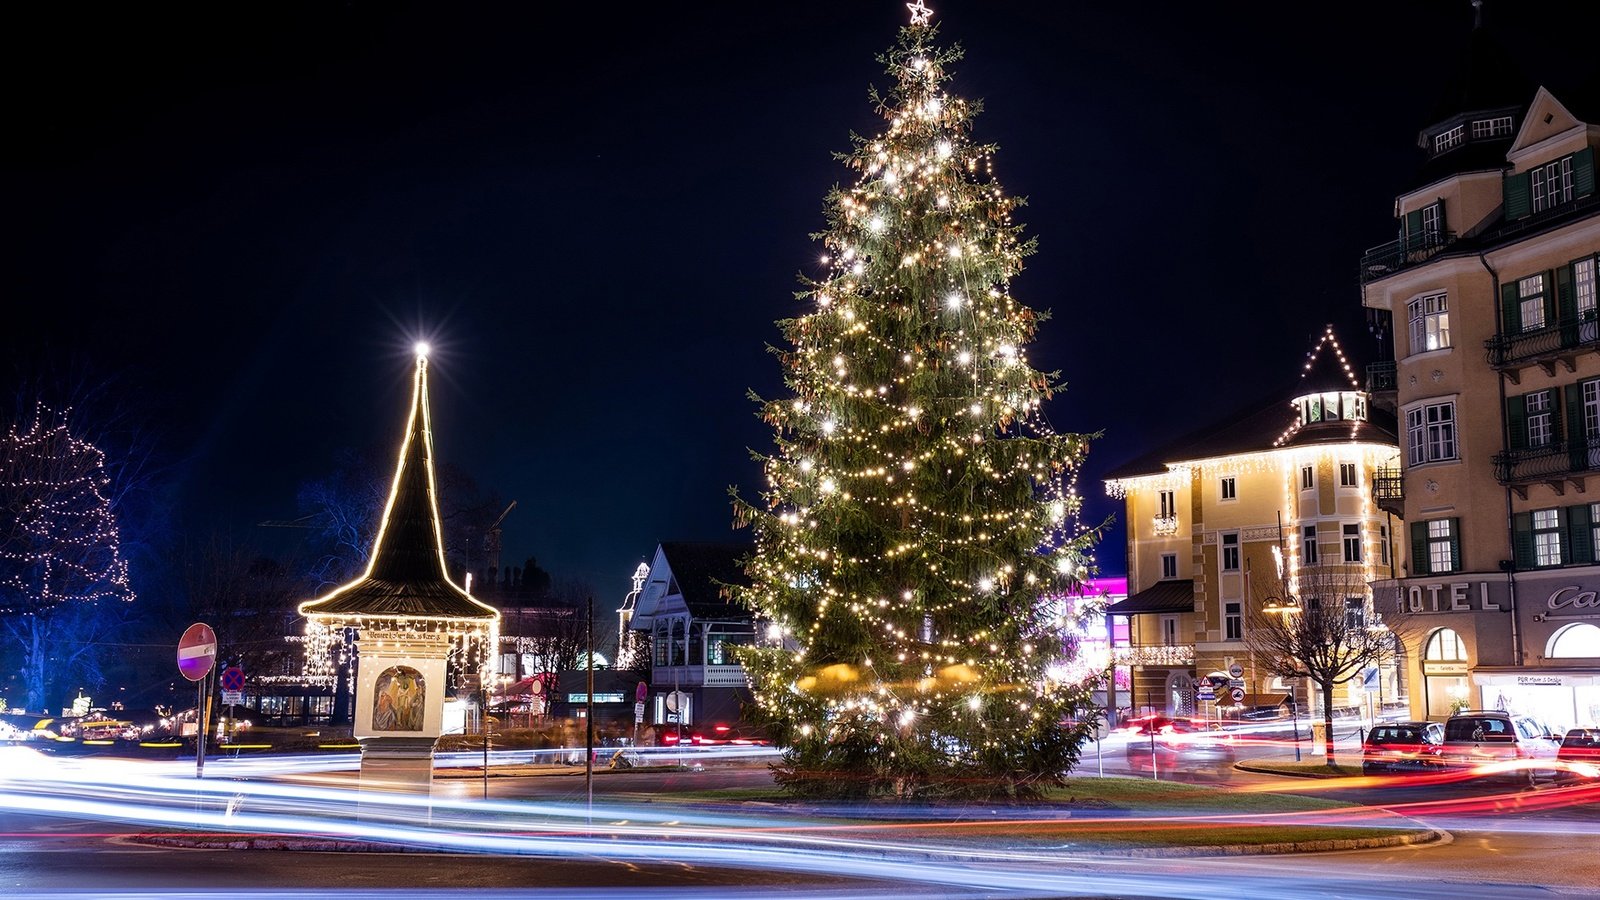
1553,462
1154,655
1382,376
1389,490
1413,249
1560,342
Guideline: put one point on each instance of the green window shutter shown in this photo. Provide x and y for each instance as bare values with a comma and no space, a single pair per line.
1566,298
1522,539
1413,227
1455,545
1552,311
1443,225
1510,310
1577,443
1562,521
1583,172
1555,416
1519,196
1516,423
1419,549
1580,534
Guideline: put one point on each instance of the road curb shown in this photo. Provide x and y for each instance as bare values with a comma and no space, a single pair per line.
334,845
1257,770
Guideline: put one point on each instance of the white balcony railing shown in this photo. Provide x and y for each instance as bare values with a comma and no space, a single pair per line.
1155,655
1165,525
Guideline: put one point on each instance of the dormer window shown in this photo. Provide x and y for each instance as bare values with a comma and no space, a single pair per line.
1331,407
1449,140
1500,126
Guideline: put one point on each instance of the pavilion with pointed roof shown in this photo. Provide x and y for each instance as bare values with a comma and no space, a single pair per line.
414,627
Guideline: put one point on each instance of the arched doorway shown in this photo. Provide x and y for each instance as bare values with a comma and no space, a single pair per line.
1180,693
1444,673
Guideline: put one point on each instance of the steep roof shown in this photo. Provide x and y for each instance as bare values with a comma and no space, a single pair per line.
406,576
701,568
1485,78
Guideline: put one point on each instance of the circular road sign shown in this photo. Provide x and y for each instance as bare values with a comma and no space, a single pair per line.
232,679
1238,695
641,692
197,651
1236,670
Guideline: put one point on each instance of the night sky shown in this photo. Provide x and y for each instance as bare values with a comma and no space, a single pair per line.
250,212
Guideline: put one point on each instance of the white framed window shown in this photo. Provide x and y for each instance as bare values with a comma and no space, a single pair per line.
1169,565
1308,478
1530,301
1547,537
1490,128
1308,545
1169,630
1591,410
1442,540
1383,545
1583,287
1430,323
1230,488
1233,620
1551,184
1230,552
1352,542
1169,505
1540,427
1433,219
1449,140
1347,475
1431,432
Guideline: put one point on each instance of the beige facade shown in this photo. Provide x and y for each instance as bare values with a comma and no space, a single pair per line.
1213,519
1496,385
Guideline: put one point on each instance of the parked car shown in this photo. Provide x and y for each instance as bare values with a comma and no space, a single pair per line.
1476,737
1580,750
1175,743
1403,747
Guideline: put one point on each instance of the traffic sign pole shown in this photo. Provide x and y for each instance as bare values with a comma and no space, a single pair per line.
197,654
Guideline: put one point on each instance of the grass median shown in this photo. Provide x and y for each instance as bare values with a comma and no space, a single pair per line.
1087,814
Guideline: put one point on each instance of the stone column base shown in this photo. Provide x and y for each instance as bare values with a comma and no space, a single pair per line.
396,765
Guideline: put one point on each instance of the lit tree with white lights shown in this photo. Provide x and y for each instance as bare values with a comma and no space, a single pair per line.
59,546
918,508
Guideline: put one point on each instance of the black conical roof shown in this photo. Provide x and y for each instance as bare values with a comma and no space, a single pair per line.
1486,79
406,576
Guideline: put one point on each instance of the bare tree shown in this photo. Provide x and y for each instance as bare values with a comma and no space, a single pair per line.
1321,623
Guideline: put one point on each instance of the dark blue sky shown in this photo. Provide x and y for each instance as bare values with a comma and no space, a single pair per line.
596,215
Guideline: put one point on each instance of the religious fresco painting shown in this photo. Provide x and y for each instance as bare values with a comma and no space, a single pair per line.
399,700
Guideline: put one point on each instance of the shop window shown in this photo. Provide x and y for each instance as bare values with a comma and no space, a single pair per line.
1579,639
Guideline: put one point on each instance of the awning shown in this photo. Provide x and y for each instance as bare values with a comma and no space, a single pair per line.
1161,597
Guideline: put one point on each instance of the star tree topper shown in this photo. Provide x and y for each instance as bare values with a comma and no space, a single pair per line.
920,14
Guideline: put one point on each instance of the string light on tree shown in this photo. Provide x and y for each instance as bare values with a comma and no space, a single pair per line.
918,506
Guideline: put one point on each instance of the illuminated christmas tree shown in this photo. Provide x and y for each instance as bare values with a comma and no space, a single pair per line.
59,546
918,508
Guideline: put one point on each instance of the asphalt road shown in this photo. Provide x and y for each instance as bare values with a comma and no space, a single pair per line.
1501,849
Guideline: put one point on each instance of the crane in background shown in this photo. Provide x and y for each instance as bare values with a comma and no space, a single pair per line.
491,541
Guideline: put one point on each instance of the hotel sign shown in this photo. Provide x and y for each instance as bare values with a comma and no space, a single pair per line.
1455,596
1569,601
